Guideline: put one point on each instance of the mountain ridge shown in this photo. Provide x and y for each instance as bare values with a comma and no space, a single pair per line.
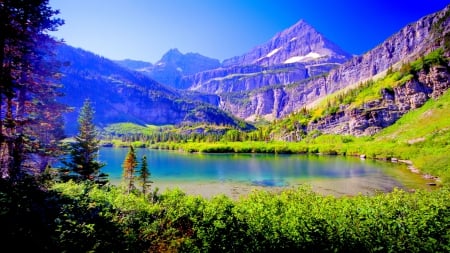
412,41
299,43
121,95
173,65
290,56
267,91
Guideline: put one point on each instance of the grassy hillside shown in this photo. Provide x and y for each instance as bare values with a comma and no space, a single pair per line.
423,136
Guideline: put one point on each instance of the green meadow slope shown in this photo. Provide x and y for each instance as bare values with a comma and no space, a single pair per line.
423,136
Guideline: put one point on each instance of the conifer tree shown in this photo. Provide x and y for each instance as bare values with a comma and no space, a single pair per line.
26,82
84,151
144,176
129,168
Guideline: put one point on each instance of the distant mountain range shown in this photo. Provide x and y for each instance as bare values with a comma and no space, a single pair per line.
123,95
295,54
294,69
173,66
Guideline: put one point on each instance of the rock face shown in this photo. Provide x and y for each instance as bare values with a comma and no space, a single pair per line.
295,54
245,78
412,41
375,115
299,43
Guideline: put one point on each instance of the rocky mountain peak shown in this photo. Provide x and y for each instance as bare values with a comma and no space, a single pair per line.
173,65
412,42
301,25
299,43
171,57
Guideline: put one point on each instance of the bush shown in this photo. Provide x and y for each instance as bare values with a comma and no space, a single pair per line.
105,219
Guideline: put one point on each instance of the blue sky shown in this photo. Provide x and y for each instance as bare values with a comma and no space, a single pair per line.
146,29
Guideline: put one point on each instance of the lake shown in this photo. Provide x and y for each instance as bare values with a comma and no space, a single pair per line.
239,174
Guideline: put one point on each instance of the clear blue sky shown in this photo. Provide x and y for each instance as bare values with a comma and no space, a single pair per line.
146,29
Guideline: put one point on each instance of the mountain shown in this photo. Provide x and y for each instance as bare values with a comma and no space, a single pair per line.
245,78
174,65
186,64
411,42
293,55
299,43
396,100
296,69
121,95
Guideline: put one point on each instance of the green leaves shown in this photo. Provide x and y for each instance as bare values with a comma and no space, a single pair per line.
84,151
293,220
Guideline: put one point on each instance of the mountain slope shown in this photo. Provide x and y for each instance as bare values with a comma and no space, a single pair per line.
134,65
293,55
299,43
411,42
121,95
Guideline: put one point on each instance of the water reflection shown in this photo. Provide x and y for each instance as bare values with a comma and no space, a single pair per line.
266,170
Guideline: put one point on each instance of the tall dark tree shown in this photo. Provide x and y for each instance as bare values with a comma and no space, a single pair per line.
129,169
27,80
144,176
84,151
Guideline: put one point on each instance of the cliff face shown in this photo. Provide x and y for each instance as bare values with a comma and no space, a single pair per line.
375,115
412,41
244,78
251,77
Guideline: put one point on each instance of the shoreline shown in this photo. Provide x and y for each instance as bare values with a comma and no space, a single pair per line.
436,181
236,190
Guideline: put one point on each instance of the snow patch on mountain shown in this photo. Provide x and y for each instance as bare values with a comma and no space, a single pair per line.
309,56
273,52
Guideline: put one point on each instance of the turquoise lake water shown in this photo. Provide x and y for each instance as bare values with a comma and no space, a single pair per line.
266,170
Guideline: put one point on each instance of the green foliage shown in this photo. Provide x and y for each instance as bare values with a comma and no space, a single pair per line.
144,176
123,129
88,218
294,220
30,113
84,150
424,63
423,136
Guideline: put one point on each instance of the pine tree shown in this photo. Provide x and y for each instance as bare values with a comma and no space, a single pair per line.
129,168
84,151
144,176
26,80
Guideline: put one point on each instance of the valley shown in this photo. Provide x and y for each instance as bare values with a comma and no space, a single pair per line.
294,145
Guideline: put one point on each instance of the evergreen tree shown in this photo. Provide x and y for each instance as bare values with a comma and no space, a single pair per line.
144,176
27,76
84,151
129,168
